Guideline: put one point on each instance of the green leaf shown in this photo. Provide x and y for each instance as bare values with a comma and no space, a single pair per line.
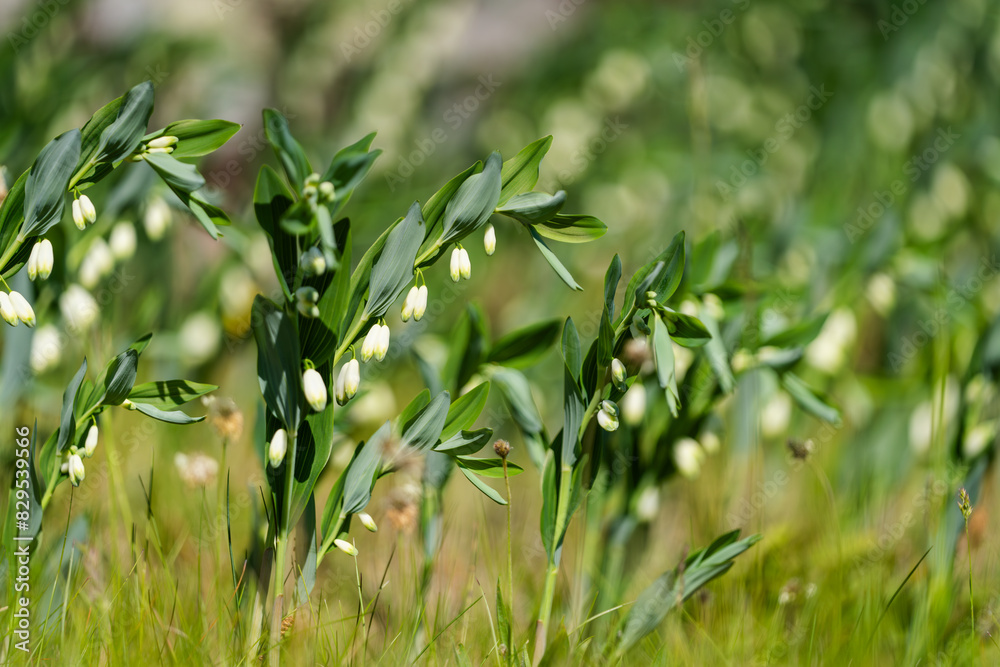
516,391
504,622
313,446
716,353
289,151
433,210
798,335
425,428
663,357
488,491
168,416
809,400
605,340
360,280
550,499
465,410
554,262
348,168
67,422
473,203
178,175
678,585
572,228
526,346
360,474
196,138
520,173
532,208
571,349
393,271
687,331
611,279
11,214
271,198
409,413
278,362
45,189
663,282
120,377
320,335
487,467
122,137
465,443
169,393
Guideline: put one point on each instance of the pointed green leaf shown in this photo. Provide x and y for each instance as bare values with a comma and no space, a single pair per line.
572,228
289,151
465,410
473,203
532,208
122,137
168,416
526,346
393,271
520,173
196,138
554,262
67,422
45,189
169,393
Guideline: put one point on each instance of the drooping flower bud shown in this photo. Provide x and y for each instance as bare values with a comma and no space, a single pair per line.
312,179
7,310
618,374
371,340
307,298
91,444
348,381
326,190
78,218
465,269
382,344
76,471
313,262
22,308
420,307
276,450
367,521
46,258
346,547
32,263
490,240
314,388
87,209
607,416
122,241
409,302
165,141
456,265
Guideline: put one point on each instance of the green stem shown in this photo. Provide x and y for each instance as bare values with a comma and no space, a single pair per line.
430,252
11,251
972,606
328,541
548,594
281,549
510,559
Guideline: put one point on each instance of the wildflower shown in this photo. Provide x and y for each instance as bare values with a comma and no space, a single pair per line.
416,303
634,404
368,522
166,141
33,262
368,347
78,308
122,241
157,218
346,547
75,470
22,308
502,448
276,450
87,209
348,381
312,179
456,265
326,190
382,345
607,417
91,443
688,456
224,416
490,240
421,305
313,262
465,268
7,310
314,388
618,374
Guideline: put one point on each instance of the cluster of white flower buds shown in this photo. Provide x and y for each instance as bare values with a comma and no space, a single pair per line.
164,144
313,262
307,301
461,267
41,260
607,416
83,212
415,304
277,448
348,381
73,464
314,388
376,343
313,189
15,308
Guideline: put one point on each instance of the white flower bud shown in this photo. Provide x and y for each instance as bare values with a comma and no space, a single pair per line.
314,388
409,302
326,190
46,259
688,456
348,381
76,470
78,308
22,308
368,522
91,444
163,142
634,404
465,269
382,344
307,298
456,265
346,547
87,209
122,241
7,310
276,450
310,192
607,417
618,374
78,218
371,340
96,264
157,218
312,179
420,307
46,349
313,262
490,240
32,263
